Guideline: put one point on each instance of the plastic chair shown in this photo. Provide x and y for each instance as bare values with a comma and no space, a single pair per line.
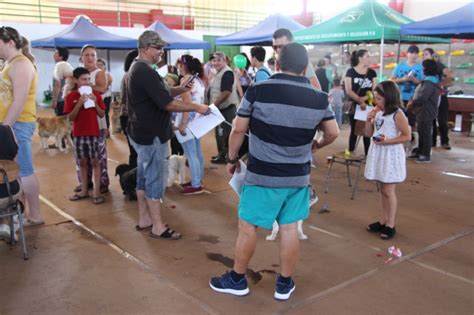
11,205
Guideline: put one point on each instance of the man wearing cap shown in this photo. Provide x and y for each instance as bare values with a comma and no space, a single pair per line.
282,37
408,75
223,94
281,114
149,130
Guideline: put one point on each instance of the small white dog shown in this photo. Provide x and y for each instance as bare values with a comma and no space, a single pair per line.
313,200
412,144
63,71
177,167
276,228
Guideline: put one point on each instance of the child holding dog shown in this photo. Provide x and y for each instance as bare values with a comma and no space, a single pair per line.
85,131
386,162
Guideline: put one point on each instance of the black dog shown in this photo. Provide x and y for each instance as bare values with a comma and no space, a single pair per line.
128,180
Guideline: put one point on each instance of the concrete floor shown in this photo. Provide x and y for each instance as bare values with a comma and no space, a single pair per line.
89,259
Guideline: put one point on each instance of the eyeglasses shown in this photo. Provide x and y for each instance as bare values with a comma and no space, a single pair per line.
275,47
156,47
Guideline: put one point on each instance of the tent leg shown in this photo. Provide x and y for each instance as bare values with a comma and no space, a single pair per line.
381,57
449,55
399,48
108,60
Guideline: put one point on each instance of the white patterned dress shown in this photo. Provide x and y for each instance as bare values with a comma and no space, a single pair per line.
386,163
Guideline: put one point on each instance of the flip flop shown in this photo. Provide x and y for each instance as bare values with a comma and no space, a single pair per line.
98,200
139,228
168,234
77,197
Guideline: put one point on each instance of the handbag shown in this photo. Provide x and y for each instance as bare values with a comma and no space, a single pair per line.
359,128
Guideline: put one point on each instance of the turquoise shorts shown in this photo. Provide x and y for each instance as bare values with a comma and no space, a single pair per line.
261,206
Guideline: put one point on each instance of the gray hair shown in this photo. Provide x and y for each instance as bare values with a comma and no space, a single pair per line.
219,55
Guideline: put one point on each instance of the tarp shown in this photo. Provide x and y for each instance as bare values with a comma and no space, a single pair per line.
368,22
177,41
82,32
260,34
455,24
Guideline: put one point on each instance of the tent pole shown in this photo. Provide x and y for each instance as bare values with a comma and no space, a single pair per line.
399,48
449,55
108,60
381,56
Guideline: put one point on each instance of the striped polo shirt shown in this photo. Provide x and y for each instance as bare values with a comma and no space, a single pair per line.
284,113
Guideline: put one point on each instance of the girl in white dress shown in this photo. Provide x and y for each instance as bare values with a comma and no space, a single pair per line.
389,129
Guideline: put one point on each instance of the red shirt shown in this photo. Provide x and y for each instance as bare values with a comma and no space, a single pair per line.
85,123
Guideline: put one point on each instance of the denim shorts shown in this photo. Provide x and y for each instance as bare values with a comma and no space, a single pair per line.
261,206
23,133
152,167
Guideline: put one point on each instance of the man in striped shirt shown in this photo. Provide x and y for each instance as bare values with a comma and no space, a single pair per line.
282,115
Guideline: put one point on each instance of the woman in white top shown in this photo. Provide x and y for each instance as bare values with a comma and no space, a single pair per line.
107,96
99,83
187,67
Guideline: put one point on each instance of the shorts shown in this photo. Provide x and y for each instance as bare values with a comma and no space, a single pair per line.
87,147
261,206
152,167
23,133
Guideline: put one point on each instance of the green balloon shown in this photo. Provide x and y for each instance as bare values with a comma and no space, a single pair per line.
240,61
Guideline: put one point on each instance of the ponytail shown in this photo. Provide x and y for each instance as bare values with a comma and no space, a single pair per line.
25,49
356,54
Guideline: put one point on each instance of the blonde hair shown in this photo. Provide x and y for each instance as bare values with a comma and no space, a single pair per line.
26,50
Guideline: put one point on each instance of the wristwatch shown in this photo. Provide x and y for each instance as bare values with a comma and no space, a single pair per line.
229,161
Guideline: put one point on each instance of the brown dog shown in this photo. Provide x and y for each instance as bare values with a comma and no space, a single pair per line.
58,127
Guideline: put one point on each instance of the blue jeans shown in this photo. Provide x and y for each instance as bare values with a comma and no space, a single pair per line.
193,152
23,133
337,113
152,168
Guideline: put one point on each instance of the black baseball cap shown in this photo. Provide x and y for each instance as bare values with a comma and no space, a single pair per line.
413,49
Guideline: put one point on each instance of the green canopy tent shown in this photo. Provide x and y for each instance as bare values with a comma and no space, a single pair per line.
369,22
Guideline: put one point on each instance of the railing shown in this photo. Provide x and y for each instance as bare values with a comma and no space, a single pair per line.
179,14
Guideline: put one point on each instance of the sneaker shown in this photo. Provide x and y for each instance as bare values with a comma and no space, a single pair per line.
190,190
186,184
446,146
225,284
313,198
283,290
422,159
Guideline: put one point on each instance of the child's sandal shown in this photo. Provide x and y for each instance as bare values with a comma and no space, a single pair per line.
375,227
387,233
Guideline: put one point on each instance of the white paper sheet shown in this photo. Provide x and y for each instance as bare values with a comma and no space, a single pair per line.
237,179
202,124
361,114
179,136
85,89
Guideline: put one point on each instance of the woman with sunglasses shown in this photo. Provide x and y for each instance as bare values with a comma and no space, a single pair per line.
191,67
18,83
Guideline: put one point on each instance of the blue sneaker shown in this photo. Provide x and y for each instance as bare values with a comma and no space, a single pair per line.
225,284
283,290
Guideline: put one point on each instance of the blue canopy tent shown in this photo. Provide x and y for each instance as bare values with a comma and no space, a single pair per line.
455,24
260,34
176,40
81,32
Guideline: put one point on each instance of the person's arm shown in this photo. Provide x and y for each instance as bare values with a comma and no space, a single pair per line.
21,74
178,106
100,82
330,132
99,105
186,98
448,78
369,123
56,91
405,131
80,102
109,80
240,125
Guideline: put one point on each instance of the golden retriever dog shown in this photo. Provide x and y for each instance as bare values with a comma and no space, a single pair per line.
58,127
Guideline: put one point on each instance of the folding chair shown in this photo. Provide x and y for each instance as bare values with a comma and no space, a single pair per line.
11,205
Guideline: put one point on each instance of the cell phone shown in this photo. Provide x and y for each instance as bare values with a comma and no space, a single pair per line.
193,77
378,138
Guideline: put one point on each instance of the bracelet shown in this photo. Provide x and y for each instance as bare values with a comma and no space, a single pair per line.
229,161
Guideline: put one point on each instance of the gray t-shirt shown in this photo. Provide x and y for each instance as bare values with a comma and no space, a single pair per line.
336,97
